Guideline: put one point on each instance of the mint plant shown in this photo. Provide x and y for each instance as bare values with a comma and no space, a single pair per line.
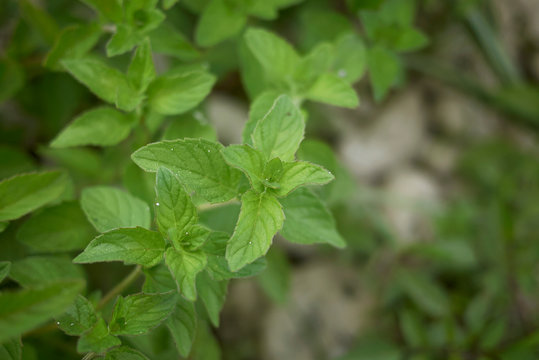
139,176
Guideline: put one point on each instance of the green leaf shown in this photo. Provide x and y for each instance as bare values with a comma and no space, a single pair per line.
192,239
275,281
137,314
109,208
261,216
206,346
350,58
78,318
39,20
5,267
73,42
213,295
409,39
184,267
218,22
167,40
277,57
178,93
141,70
316,62
123,40
41,270
217,267
182,324
14,161
105,82
301,173
24,193
97,339
11,78
124,353
384,69
259,108
198,163
24,310
308,221
280,131
331,89
57,229
248,160
11,349
174,208
158,280
130,245
102,126
109,9
190,126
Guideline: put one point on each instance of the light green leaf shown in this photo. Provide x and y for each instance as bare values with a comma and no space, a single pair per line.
109,9
409,39
215,249
109,208
190,126
300,173
184,267
141,70
182,324
213,295
24,310
178,93
218,22
102,126
261,216
11,349
259,108
124,353
192,239
308,221
280,131
41,270
57,229
198,163
24,193
138,314
78,318
167,40
384,69
158,280
174,208
248,160
73,42
5,267
97,339
275,55
105,82
206,347
123,40
130,245
331,89
350,58
313,64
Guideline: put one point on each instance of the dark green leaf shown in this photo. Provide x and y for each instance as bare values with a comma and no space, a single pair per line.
213,294
124,353
97,339
5,267
182,324
78,318
41,270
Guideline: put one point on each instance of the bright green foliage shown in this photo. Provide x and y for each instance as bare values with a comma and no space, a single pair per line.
41,270
178,93
184,266
104,81
103,126
78,318
109,208
260,218
124,353
248,160
109,9
174,208
331,89
213,294
218,21
5,267
280,131
138,314
97,339
182,324
141,70
384,68
59,228
26,309
300,173
24,193
308,221
130,245
198,164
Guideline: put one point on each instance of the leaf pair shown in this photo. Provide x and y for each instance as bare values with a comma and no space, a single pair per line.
325,75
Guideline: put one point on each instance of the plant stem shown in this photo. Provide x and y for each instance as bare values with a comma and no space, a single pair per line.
89,356
119,287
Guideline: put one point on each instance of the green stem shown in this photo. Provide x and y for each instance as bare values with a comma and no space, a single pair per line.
120,287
